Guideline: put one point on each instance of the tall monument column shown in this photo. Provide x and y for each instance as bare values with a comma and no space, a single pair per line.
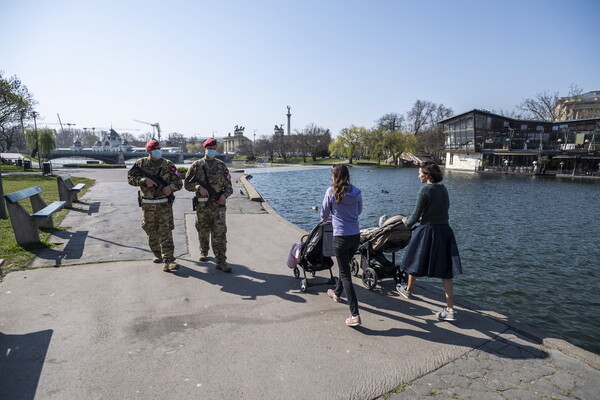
289,116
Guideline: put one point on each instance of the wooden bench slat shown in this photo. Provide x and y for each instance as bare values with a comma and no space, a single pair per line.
65,177
46,212
23,194
78,187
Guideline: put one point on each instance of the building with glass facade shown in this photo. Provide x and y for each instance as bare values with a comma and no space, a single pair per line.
478,140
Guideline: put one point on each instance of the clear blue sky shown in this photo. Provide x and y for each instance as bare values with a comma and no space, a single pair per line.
202,66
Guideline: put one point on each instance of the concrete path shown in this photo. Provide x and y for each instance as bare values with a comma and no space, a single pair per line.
107,323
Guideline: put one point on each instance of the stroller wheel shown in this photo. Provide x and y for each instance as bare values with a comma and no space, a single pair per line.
354,268
296,272
369,278
312,273
304,285
399,276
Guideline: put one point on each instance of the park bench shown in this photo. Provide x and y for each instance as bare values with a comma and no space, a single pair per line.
25,225
67,192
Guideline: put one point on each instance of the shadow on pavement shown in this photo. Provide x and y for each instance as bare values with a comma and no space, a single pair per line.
243,281
21,360
93,207
429,328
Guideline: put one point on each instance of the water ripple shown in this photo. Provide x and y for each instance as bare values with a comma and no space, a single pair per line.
529,246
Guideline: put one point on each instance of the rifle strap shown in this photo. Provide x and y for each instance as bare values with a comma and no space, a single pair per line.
205,175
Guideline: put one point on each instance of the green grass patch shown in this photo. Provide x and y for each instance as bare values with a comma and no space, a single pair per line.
97,166
14,168
17,257
399,389
309,161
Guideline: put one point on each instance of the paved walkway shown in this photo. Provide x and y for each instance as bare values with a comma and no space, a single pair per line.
107,323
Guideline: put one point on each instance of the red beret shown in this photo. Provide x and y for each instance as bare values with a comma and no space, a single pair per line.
152,145
210,142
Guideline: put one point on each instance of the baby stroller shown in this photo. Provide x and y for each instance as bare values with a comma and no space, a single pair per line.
392,236
316,252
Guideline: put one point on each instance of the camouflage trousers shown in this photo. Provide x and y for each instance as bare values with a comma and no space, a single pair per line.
211,226
158,224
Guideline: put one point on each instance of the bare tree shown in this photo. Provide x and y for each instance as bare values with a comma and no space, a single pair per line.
11,136
390,122
541,107
265,146
89,139
432,138
281,143
246,148
419,116
322,149
145,137
128,137
176,140
65,137
313,140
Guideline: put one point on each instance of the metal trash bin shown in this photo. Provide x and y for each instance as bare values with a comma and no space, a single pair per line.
26,164
19,162
46,168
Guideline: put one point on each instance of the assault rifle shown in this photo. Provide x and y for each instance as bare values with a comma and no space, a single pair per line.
160,182
213,195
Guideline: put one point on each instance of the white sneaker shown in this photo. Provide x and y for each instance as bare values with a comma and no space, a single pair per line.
446,315
402,290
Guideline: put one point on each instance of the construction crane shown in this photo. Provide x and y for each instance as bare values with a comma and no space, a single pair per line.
154,125
116,129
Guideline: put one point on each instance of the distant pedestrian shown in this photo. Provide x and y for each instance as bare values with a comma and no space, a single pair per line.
149,174
343,204
432,250
209,178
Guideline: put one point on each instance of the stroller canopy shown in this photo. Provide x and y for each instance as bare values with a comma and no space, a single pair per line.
392,236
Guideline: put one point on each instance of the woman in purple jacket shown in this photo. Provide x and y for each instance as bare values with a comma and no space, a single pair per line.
343,204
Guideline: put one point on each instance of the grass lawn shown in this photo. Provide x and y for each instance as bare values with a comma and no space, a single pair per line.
14,168
309,161
17,257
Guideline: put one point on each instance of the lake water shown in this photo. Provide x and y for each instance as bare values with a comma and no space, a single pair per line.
529,245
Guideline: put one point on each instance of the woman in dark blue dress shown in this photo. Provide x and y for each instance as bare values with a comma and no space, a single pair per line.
432,250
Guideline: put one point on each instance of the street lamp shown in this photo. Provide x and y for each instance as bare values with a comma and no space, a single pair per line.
34,114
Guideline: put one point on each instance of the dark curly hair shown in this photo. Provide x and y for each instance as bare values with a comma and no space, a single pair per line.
433,171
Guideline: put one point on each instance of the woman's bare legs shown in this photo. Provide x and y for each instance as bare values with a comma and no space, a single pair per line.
449,289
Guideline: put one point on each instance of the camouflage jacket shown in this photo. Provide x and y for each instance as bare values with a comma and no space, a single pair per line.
161,167
217,172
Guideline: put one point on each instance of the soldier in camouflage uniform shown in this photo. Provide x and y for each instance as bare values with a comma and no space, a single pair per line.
209,178
157,208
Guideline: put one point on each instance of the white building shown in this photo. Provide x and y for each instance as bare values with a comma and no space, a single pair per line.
232,144
112,142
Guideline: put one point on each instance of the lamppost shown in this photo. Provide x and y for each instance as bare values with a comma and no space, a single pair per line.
511,133
34,114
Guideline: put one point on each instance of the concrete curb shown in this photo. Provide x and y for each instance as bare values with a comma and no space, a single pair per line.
253,194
